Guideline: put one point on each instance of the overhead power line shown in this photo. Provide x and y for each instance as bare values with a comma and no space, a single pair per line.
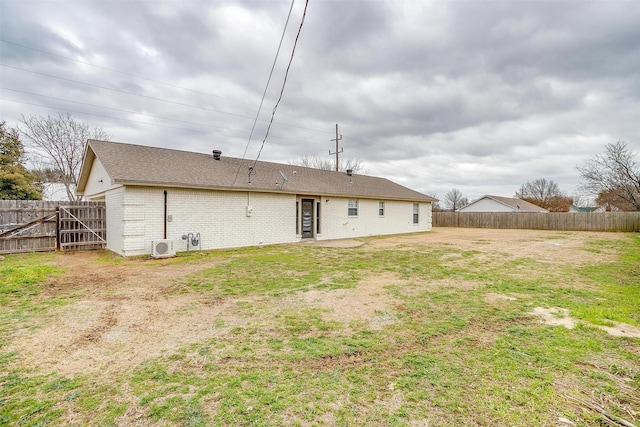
238,131
243,132
99,115
138,76
150,97
273,66
124,91
284,82
144,78
114,109
264,94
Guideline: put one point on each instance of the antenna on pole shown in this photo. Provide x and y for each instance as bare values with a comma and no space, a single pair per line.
337,152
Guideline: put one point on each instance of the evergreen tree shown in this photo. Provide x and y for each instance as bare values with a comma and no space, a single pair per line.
16,182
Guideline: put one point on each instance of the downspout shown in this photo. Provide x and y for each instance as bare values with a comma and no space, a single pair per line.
165,214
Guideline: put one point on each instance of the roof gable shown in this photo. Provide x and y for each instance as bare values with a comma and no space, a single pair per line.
129,164
517,205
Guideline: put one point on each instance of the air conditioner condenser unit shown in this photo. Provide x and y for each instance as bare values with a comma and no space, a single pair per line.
163,248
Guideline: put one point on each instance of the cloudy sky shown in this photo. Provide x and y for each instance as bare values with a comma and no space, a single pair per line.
478,95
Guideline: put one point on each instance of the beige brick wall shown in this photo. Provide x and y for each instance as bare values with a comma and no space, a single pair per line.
135,218
398,218
114,200
220,218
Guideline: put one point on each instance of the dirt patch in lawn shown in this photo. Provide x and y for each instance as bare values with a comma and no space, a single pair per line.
555,316
368,301
560,317
498,299
543,246
621,330
120,315
338,243
124,314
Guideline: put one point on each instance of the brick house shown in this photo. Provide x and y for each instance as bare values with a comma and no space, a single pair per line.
201,201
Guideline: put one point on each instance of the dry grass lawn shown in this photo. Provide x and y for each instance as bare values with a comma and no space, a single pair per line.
439,328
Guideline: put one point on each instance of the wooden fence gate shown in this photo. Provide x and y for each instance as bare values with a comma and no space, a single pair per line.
82,227
36,226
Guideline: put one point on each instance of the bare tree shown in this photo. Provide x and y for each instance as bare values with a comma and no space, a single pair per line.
316,162
539,189
545,194
59,142
614,177
435,206
454,200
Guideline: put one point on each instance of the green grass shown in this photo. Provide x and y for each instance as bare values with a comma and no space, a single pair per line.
448,355
22,276
258,271
21,282
618,296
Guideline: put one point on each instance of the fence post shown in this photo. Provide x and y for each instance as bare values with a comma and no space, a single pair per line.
57,228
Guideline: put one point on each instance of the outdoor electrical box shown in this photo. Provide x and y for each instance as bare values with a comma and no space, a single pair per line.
249,210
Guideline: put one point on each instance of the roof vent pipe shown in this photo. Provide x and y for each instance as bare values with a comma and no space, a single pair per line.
217,154
350,172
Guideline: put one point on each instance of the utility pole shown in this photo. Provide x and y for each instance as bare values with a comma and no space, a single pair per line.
337,152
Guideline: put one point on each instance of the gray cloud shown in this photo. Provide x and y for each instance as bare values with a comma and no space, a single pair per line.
478,95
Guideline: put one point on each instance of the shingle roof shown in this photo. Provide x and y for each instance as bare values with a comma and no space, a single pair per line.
517,204
130,164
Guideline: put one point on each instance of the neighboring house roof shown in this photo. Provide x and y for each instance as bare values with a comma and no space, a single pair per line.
517,205
55,191
585,209
129,164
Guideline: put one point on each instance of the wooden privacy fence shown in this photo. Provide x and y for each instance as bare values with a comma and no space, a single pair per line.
579,221
36,226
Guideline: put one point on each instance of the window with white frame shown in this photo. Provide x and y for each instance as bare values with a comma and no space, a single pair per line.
416,213
380,208
353,208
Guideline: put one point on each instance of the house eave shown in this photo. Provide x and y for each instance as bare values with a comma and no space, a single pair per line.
143,183
87,162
